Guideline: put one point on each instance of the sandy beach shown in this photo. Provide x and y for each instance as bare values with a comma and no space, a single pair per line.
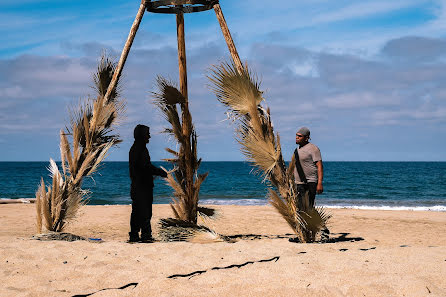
373,253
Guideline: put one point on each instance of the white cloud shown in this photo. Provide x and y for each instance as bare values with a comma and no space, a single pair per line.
306,68
329,92
408,115
15,91
360,10
356,100
31,77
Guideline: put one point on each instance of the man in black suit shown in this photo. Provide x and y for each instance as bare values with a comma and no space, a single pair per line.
142,173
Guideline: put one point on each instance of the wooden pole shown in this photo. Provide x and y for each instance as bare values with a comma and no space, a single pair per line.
228,37
183,72
126,49
182,55
185,116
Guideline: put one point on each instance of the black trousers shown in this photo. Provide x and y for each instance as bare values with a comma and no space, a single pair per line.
311,188
141,213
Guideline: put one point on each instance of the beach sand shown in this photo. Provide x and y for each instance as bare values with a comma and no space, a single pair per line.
374,253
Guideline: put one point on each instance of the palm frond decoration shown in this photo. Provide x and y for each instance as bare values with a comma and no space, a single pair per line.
184,179
240,93
180,230
91,127
171,229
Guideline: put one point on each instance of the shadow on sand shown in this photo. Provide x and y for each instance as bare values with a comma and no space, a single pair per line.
334,237
256,236
198,272
342,237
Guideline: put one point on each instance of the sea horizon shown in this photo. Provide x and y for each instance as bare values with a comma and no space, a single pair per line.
385,185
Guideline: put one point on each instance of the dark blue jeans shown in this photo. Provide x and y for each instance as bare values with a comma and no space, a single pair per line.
311,188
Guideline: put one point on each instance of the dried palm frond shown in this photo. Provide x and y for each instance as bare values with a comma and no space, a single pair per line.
102,78
169,95
184,179
239,91
177,229
180,230
58,236
90,127
259,151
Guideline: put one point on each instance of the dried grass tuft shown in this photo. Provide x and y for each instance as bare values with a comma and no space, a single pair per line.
240,93
184,178
91,126
180,230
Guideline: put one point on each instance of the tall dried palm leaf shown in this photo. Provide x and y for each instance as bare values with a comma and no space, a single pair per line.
91,126
240,93
184,180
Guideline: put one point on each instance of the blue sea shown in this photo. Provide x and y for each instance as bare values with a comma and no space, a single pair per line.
364,185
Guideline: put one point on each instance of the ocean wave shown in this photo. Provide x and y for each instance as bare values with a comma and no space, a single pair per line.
234,201
440,208
383,207
365,205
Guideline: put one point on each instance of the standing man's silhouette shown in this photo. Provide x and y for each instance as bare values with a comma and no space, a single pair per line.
141,173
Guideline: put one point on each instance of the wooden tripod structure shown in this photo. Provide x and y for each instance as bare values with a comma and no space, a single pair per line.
178,7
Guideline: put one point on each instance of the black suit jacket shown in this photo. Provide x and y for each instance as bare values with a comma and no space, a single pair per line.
141,169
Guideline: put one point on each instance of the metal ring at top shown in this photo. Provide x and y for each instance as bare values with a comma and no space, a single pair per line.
179,6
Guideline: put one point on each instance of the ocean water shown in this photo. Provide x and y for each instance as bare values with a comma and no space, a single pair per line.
368,185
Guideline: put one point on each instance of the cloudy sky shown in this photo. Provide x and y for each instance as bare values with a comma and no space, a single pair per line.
367,77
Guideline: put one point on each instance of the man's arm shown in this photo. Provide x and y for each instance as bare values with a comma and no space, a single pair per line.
149,167
158,171
320,177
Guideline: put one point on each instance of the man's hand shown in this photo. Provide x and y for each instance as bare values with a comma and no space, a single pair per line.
319,188
164,172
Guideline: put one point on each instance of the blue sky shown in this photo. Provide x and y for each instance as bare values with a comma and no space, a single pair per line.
368,77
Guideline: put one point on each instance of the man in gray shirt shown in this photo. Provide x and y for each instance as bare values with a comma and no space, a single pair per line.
312,174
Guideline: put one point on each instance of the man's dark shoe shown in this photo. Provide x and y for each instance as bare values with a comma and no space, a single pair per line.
147,239
133,238
293,239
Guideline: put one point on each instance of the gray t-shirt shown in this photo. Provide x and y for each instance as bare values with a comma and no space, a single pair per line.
309,154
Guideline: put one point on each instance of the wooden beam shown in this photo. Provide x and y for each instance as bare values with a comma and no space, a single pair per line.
126,49
186,117
228,37
182,54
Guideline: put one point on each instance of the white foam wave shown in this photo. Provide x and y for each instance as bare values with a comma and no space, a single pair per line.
440,208
234,201
383,207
